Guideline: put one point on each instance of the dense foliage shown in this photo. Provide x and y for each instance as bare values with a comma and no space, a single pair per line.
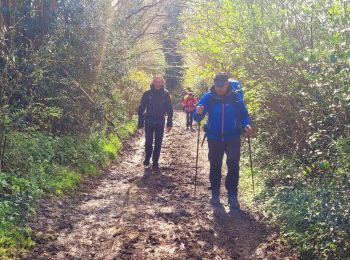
294,60
40,164
71,76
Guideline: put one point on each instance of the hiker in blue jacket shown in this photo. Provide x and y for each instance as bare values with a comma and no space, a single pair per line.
228,118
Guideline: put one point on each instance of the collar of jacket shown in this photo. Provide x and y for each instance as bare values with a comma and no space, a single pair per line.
152,88
228,94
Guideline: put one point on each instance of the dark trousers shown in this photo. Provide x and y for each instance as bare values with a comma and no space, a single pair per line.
189,118
155,133
217,150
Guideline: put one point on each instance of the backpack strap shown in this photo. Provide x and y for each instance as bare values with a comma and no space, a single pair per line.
211,102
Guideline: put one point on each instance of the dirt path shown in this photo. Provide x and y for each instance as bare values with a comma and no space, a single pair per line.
130,214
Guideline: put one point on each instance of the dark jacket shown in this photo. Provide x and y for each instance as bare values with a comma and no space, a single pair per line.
155,105
228,114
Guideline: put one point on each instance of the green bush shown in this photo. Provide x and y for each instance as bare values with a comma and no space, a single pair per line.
312,210
38,164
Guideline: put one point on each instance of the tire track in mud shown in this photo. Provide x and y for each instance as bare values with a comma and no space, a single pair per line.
135,214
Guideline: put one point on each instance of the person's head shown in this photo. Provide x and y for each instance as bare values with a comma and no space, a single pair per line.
221,83
190,94
158,82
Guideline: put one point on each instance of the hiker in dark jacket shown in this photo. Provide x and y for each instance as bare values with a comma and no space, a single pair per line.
155,105
227,119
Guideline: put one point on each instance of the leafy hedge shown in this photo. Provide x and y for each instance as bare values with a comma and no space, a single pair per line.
294,61
312,213
38,165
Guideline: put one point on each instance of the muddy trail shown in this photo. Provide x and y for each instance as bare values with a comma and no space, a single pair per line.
130,213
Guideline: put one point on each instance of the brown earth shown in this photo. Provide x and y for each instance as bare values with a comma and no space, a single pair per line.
130,213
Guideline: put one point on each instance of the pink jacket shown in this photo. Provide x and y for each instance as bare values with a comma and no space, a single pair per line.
189,103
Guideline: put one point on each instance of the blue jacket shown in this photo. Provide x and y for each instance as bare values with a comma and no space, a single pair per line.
227,115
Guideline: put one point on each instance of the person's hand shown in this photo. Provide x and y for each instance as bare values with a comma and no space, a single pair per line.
200,110
168,129
248,130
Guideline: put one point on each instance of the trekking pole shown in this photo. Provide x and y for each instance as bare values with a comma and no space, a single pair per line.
251,164
195,177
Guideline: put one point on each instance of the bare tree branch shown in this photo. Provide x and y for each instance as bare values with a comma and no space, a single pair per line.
145,7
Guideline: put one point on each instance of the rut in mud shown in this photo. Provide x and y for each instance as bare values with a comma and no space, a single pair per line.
132,214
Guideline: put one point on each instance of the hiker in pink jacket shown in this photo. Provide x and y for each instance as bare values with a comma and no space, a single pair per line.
189,103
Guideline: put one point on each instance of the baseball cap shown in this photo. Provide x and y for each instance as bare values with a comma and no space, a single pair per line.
221,79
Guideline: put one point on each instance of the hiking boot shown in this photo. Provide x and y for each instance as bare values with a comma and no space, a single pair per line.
155,168
192,129
215,199
233,202
146,164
